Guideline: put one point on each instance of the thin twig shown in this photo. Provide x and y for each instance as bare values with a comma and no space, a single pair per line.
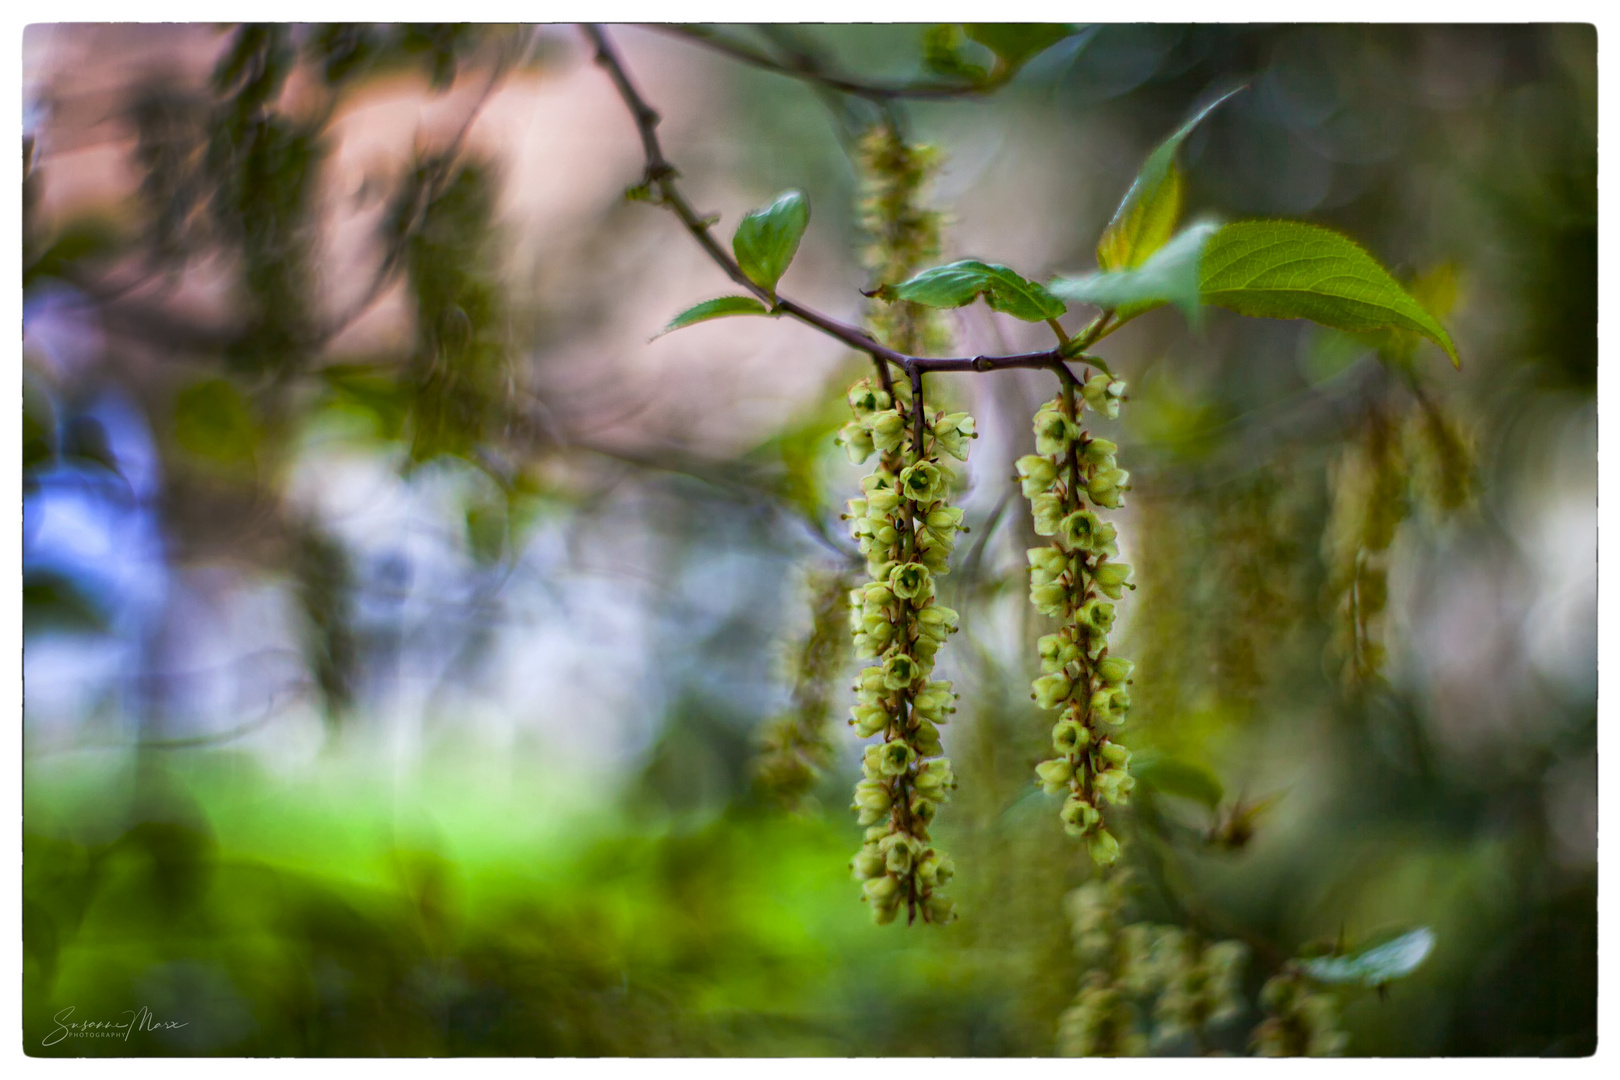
880,93
660,175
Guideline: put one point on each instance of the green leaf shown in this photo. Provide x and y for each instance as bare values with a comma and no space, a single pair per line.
1150,208
1291,270
767,239
1170,276
960,283
1174,776
1375,966
717,308
1016,43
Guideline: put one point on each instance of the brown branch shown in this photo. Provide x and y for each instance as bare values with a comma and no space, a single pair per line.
661,175
805,71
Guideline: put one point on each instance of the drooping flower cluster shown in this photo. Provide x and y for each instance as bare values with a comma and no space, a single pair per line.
906,530
902,236
1198,984
1301,1022
1072,579
1102,1022
794,747
1147,987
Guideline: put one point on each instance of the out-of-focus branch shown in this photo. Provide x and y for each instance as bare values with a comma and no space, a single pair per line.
802,68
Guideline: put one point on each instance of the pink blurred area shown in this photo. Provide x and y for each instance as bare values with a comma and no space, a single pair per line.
564,149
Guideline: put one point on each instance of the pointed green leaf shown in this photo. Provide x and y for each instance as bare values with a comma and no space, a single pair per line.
1170,276
960,283
717,308
1016,43
1375,966
1291,270
1176,777
767,239
1150,208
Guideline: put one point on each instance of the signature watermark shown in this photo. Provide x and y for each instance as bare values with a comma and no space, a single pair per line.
133,1020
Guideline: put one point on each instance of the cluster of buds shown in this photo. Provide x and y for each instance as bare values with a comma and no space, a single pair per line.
1073,579
906,530
1198,984
1103,1020
1140,970
794,747
1301,1022
902,235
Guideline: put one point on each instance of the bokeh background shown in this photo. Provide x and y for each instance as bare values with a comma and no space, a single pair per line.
401,621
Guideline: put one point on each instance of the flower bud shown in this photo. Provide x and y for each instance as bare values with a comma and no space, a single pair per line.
941,909
937,616
925,737
894,758
911,581
872,680
1104,393
866,865
1051,690
1105,487
868,720
1079,813
1054,775
934,700
1104,494
865,399
1112,578
1047,511
923,482
856,441
1097,615
1114,670
936,559
935,776
1100,452
952,432
882,501
888,429
1103,847
1078,531
879,479
881,889
1036,474
1048,560
1070,737
876,594
1110,706
1114,754
872,799
1049,599
1053,431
